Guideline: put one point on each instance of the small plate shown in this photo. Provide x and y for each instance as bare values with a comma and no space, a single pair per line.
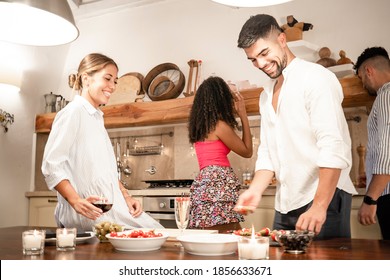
79,240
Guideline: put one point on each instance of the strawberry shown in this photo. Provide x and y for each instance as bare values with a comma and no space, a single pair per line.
273,234
265,231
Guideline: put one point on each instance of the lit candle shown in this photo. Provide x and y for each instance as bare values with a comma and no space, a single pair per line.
66,238
253,248
32,241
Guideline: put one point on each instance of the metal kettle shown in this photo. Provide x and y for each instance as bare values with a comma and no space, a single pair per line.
51,100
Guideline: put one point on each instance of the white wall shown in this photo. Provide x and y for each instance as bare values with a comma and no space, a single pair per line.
169,31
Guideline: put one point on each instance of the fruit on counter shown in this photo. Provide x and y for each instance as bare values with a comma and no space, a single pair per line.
263,232
248,232
102,228
275,232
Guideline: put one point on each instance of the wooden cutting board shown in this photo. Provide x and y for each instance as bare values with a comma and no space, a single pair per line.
128,90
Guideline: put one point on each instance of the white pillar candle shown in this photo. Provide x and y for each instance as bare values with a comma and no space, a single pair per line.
253,249
32,241
66,240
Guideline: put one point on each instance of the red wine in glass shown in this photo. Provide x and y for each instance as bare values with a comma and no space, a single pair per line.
103,205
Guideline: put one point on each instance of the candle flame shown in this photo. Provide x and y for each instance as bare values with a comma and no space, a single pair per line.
253,232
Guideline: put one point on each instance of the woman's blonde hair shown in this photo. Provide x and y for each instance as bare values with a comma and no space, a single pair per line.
90,64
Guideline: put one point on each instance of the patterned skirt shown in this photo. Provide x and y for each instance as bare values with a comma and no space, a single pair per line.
214,194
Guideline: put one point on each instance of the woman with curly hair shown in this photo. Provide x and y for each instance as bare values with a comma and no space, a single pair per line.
212,125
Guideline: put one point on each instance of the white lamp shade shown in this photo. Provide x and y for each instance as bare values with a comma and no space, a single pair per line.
37,22
250,3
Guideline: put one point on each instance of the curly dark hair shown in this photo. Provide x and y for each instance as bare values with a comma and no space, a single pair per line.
369,53
213,102
257,27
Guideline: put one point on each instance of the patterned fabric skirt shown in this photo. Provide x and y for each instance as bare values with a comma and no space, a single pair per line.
214,194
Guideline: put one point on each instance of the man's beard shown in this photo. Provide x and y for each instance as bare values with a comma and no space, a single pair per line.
279,68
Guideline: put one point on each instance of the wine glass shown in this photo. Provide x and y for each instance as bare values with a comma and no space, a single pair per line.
182,211
106,194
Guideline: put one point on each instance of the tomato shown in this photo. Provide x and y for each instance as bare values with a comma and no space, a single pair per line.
137,234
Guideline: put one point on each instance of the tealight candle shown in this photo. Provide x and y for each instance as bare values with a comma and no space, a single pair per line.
33,242
253,248
66,238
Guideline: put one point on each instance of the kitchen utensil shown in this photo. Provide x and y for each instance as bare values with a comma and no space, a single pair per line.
170,70
127,169
127,90
191,89
50,100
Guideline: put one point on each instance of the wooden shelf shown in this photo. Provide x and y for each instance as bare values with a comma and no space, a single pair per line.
177,110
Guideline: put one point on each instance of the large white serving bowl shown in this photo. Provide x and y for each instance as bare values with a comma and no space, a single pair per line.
209,244
137,244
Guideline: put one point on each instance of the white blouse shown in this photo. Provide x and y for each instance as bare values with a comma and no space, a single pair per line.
79,150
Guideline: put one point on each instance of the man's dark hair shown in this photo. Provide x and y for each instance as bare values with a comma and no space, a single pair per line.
370,53
256,27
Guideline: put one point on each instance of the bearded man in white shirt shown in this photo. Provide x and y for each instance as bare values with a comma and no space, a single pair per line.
305,141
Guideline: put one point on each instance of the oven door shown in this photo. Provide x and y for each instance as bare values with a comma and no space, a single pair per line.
162,209
167,220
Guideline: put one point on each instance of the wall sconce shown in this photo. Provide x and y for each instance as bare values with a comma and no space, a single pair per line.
6,119
250,3
37,22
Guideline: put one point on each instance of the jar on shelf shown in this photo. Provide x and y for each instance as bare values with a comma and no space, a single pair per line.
246,177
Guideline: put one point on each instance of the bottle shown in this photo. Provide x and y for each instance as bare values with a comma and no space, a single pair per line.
246,177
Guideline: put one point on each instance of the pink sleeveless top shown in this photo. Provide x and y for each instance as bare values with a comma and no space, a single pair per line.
212,153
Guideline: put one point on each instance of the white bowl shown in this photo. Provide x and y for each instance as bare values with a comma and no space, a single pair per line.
209,244
136,244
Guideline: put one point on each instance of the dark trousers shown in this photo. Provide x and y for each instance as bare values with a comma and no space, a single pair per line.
383,214
337,222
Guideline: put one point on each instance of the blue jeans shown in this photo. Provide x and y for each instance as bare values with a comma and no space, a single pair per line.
337,222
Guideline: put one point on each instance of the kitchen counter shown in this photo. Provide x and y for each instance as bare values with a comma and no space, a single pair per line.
332,249
161,192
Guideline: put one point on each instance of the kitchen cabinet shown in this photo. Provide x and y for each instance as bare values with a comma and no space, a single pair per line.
263,216
41,211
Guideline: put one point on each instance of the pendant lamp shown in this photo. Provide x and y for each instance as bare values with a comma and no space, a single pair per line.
37,22
250,3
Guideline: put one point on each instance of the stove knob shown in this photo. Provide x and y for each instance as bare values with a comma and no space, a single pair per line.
163,205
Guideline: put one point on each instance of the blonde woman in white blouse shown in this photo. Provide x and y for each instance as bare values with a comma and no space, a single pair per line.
79,161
